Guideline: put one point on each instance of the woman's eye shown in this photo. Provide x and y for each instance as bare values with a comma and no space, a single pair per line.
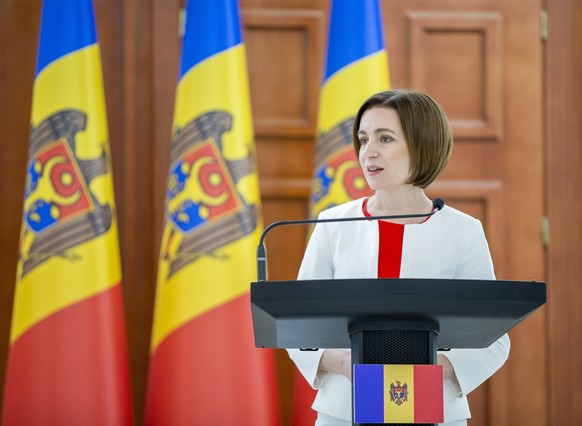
386,139
363,141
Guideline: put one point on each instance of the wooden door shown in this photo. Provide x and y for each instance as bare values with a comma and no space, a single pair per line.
483,62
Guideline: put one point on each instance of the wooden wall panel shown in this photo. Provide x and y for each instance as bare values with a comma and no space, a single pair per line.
480,199
18,28
284,80
563,204
285,86
438,41
521,155
130,105
285,56
285,167
165,58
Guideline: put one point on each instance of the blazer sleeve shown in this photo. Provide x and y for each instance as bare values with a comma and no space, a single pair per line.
474,366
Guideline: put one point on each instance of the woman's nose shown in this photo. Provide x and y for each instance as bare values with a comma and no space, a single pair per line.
370,150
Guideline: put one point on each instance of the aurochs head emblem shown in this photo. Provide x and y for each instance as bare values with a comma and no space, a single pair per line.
338,176
204,209
200,188
60,210
58,187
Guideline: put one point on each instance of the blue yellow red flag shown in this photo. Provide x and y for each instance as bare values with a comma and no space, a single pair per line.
67,361
356,66
204,367
398,393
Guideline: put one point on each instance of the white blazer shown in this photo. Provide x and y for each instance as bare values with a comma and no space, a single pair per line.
450,244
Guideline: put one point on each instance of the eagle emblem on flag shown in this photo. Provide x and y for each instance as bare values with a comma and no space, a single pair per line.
398,393
58,199
338,175
204,209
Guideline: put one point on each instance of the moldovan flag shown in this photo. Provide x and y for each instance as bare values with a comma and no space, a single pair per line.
67,363
204,367
356,67
398,393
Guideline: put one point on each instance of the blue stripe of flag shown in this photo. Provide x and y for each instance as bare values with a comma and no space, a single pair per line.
212,26
369,393
355,31
65,26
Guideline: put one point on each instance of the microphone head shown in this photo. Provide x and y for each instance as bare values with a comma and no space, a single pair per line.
438,204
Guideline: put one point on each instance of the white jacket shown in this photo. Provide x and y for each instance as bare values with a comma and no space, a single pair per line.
449,245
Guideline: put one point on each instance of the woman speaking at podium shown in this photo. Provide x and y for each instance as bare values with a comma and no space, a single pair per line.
403,141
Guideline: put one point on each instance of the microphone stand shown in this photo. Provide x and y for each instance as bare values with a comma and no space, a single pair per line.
437,205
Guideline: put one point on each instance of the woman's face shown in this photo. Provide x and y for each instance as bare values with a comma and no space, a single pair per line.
384,155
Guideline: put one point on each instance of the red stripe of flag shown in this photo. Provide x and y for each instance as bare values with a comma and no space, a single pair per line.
71,368
194,365
428,394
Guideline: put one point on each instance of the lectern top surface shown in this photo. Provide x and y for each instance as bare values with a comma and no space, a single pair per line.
318,313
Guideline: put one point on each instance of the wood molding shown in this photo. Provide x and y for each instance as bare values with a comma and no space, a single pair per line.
563,155
273,188
437,40
284,49
482,199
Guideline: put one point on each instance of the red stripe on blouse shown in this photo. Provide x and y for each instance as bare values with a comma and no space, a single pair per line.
391,236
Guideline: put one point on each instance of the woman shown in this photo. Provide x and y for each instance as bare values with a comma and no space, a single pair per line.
403,141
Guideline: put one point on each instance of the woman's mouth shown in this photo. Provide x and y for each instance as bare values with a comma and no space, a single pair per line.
373,170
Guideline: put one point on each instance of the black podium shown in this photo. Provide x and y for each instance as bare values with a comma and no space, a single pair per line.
390,321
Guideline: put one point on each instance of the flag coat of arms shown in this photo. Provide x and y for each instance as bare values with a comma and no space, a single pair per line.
67,360
204,367
356,66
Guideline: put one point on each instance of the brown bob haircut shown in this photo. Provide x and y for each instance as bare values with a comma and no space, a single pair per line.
426,129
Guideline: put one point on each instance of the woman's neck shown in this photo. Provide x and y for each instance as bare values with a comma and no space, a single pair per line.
406,200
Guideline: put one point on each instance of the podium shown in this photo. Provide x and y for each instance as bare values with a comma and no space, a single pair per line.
390,321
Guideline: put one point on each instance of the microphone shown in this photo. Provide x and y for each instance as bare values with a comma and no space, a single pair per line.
437,205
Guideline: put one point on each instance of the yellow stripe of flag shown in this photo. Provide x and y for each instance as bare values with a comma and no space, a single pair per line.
216,84
341,96
399,393
72,82
346,90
